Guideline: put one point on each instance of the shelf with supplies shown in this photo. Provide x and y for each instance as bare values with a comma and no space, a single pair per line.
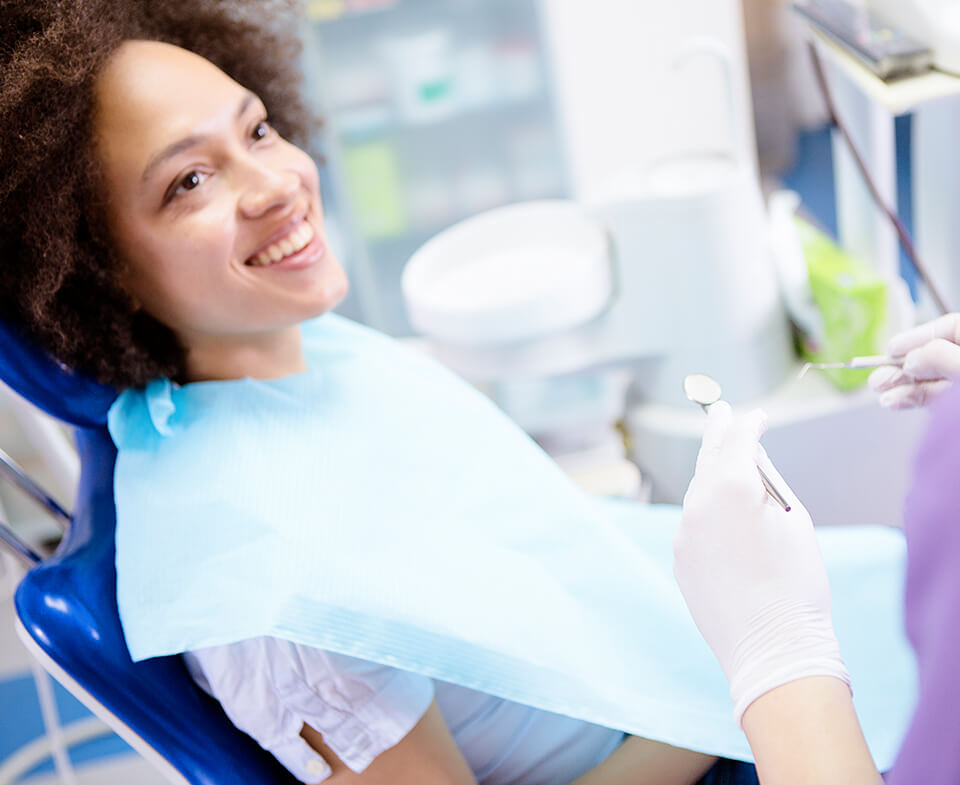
435,110
417,80
868,107
421,183
897,96
320,11
382,120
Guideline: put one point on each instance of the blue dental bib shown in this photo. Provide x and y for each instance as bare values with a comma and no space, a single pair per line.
378,506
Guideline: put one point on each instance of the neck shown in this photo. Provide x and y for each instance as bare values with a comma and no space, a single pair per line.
264,356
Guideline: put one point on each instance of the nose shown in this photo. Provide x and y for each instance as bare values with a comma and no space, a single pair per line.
268,189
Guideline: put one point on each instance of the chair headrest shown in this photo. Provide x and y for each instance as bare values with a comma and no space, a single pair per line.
68,396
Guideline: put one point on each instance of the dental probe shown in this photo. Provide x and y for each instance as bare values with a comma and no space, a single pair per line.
705,391
870,361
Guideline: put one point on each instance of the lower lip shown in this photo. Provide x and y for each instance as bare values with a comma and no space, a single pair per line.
310,253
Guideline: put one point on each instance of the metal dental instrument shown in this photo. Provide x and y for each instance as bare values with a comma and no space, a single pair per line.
705,391
872,361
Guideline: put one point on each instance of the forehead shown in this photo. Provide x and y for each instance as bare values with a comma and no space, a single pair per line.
151,94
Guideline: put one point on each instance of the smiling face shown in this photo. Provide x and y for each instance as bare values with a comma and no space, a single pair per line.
217,218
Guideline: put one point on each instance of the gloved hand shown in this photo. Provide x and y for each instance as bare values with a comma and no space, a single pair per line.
751,574
932,359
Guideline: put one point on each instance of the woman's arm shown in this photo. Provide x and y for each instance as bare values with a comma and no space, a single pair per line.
427,755
385,723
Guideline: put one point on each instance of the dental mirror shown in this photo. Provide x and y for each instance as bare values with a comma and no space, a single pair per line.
702,389
705,391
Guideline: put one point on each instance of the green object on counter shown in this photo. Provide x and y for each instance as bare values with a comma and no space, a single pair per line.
375,190
852,300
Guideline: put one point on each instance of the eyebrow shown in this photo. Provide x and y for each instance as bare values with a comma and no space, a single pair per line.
182,145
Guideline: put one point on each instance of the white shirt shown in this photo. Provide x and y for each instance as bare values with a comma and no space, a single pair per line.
270,687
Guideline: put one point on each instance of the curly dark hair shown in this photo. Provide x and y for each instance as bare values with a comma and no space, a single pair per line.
59,273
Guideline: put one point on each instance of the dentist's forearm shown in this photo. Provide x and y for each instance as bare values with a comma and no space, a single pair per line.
806,732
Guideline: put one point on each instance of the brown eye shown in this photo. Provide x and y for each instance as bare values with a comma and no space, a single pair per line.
261,130
191,181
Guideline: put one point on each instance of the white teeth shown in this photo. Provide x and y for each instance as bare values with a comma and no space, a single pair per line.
308,234
298,239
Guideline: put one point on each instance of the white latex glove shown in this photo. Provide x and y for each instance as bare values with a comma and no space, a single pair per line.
931,360
751,574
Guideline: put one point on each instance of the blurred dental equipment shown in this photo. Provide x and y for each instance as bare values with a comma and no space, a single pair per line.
705,391
877,361
580,317
618,276
935,23
884,205
883,48
561,309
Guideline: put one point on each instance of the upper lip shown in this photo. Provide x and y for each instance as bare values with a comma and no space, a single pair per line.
282,231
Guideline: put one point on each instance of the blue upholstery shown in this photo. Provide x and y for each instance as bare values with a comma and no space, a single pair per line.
68,603
66,396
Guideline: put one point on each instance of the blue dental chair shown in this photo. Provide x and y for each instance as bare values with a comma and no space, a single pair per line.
67,608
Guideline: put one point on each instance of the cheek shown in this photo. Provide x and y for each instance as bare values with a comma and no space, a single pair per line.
305,166
170,269
206,240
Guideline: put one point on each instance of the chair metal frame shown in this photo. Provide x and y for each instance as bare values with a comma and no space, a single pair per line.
112,721
66,604
58,738
30,558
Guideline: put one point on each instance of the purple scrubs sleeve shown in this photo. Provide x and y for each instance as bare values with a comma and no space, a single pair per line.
931,751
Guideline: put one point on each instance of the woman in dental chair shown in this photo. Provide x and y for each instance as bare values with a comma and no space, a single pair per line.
157,224
161,234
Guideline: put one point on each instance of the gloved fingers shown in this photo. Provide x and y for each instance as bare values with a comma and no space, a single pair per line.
773,474
946,327
938,359
743,436
733,440
908,396
743,441
726,465
887,377
719,419
921,378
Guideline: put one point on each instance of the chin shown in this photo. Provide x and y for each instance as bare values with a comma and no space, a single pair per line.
330,297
